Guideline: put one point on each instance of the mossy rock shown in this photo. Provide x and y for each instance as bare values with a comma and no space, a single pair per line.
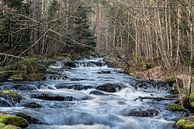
2,126
170,79
175,107
35,77
191,97
13,120
16,77
184,124
10,95
27,117
192,105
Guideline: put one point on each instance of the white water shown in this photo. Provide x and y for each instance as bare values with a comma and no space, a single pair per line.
90,111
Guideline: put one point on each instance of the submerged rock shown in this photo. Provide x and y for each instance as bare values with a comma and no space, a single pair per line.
32,105
95,92
144,113
4,103
52,97
111,87
24,87
28,117
13,120
75,87
11,96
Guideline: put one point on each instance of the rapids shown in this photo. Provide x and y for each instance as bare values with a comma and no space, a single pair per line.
74,103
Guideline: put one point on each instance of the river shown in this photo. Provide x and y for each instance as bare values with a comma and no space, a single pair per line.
76,98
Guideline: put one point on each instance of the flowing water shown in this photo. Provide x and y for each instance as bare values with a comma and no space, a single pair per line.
74,102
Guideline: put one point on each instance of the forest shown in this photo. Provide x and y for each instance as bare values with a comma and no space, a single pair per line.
97,64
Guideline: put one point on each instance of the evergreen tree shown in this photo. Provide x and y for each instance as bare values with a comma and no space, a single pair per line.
82,30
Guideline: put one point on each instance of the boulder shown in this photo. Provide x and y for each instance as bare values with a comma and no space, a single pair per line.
185,123
13,120
104,72
32,105
52,97
69,64
28,117
11,96
111,87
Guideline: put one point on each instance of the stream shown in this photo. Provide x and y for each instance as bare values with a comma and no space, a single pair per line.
92,95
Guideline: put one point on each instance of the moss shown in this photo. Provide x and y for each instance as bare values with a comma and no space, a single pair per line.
13,120
2,126
175,107
170,79
10,94
191,97
16,77
35,77
192,105
185,124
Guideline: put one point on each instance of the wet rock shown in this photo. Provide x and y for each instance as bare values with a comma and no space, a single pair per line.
144,113
32,105
24,87
75,87
104,72
11,96
111,87
57,77
35,77
69,64
95,92
28,117
4,103
51,97
13,120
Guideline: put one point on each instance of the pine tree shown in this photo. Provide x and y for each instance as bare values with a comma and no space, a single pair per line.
82,30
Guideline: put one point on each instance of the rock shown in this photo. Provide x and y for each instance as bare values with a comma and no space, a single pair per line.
104,72
69,64
24,87
32,105
144,113
4,103
75,87
11,96
2,126
111,87
175,107
185,123
95,92
52,97
13,120
27,117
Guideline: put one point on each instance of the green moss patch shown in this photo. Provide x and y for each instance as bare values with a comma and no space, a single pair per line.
2,126
13,120
191,97
175,107
170,79
185,124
